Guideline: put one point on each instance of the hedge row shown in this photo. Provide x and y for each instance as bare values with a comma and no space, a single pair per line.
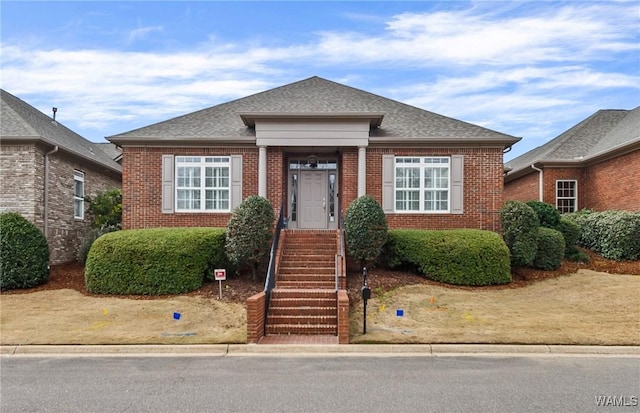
154,261
613,234
460,256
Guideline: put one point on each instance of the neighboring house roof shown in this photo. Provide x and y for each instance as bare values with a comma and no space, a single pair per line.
21,122
315,96
605,133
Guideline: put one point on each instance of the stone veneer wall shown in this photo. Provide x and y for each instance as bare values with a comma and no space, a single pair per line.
22,190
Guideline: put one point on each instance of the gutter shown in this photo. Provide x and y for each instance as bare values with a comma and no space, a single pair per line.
46,190
540,182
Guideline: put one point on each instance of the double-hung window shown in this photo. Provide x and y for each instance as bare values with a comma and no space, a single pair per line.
202,183
422,184
78,195
567,196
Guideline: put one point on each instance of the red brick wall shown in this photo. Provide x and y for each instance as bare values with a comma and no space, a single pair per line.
255,317
526,188
142,190
483,184
613,184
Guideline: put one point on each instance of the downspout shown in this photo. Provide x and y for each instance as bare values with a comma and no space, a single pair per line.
46,191
540,182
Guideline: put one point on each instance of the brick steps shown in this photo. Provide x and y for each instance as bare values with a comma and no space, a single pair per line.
304,301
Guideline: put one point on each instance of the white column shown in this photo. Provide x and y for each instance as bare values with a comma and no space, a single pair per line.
262,171
362,171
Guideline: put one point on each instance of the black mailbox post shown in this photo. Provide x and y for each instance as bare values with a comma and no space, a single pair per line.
366,294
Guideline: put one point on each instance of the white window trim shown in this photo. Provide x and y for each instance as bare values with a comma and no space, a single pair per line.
78,176
203,164
421,201
575,197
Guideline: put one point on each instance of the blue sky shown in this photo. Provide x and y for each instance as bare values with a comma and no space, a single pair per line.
528,68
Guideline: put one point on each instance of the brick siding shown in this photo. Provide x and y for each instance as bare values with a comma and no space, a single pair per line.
483,184
608,185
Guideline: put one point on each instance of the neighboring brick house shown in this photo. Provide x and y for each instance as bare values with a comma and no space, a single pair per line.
312,147
594,165
46,171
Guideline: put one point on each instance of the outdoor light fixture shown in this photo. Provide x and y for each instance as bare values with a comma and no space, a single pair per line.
312,160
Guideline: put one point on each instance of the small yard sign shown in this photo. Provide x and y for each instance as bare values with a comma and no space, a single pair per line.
220,275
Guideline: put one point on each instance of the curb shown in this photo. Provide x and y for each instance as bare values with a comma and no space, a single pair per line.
320,350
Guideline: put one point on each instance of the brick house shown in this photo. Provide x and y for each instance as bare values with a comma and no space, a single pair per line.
47,170
593,165
312,147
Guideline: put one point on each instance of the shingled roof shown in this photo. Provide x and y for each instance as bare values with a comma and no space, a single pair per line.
601,133
314,96
21,122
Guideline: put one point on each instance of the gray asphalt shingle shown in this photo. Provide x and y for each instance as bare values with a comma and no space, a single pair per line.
314,95
601,132
22,122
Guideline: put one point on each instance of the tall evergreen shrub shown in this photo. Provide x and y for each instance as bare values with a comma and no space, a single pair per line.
249,233
365,227
520,232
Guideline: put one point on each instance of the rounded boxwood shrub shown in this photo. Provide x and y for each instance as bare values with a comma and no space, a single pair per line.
460,256
24,257
520,231
249,233
548,215
550,249
365,229
88,239
154,261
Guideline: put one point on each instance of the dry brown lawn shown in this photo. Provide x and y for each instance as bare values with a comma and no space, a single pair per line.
588,307
69,317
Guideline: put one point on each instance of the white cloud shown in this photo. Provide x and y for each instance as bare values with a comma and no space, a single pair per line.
518,71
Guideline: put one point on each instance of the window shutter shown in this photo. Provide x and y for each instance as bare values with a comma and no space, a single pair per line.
457,175
236,181
167,184
387,182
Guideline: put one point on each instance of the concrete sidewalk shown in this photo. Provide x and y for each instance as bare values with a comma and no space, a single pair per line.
423,350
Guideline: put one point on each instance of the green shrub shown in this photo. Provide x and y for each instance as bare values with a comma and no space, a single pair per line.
249,233
570,232
548,216
550,250
88,239
365,227
460,256
520,231
105,210
24,253
576,255
613,234
153,261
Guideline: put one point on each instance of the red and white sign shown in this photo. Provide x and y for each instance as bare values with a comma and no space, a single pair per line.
220,275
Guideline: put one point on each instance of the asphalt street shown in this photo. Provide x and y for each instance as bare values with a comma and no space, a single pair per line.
320,383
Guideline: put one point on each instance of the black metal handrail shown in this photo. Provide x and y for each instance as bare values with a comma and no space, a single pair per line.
270,279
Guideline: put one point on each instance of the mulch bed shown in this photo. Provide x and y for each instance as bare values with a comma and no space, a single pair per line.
239,287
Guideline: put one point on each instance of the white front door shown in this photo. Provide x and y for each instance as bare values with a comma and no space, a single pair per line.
313,200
